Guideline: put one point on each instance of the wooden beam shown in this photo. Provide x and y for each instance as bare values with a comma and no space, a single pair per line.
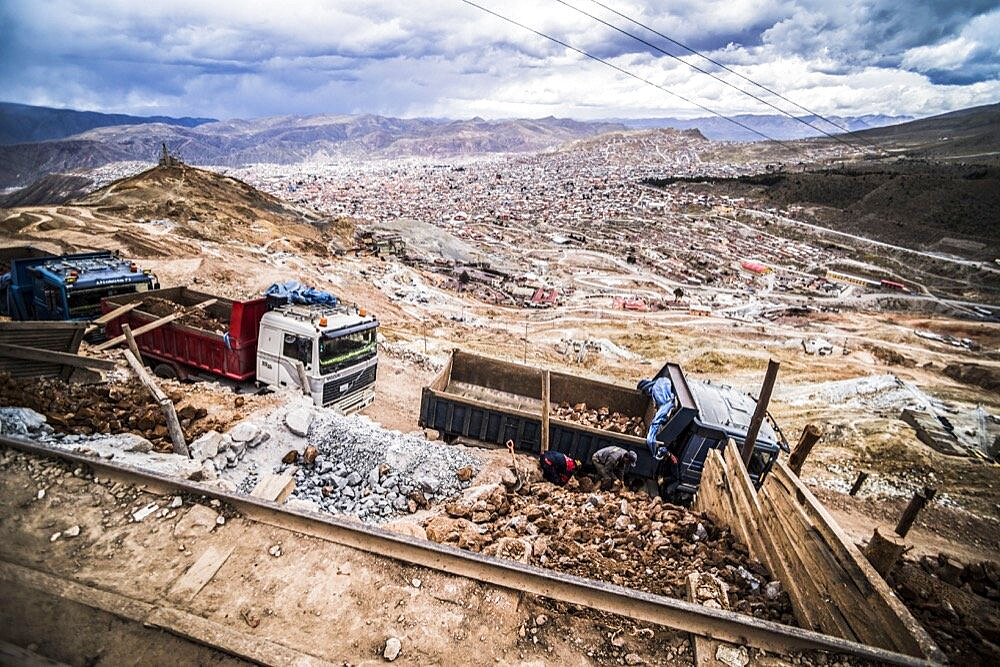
810,436
110,315
204,304
145,328
761,411
275,488
130,340
300,369
166,405
51,356
917,502
858,483
546,393
884,552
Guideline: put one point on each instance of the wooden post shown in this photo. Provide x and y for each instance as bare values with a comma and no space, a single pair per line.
166,405
917,502
761,411
303,377
884,552
141,330
810,436
545,411
862,476
130,341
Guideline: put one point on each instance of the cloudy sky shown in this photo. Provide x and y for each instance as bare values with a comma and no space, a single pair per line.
444,58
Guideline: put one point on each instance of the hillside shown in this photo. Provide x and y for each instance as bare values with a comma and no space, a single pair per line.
50,189
967,132
22,123
288,140
167,212
773,125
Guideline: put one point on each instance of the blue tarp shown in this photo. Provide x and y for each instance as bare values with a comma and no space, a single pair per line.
662,393
295,292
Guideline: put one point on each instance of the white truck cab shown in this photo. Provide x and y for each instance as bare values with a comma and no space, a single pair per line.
331,349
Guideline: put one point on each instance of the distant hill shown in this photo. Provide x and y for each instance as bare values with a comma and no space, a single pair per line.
290,139
22,123
49,190
773,125
974,132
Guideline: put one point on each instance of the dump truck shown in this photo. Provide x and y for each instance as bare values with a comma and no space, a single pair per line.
330,349
478,398
39,286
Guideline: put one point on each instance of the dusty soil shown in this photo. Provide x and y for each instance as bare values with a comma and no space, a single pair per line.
334,602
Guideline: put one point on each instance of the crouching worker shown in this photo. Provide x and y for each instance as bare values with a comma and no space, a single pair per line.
613,462
558,468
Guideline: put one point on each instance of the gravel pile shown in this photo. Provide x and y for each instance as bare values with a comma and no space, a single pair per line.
360,468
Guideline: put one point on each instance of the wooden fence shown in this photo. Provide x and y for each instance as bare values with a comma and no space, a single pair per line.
832,586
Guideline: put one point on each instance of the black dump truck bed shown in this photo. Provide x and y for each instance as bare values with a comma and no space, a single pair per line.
494,401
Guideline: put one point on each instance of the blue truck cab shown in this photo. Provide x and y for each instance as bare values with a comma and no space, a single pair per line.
69,287
705,416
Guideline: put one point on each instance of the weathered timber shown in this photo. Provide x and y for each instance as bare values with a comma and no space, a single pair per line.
155,324
810,436
761,411
917,502
884,552
65,358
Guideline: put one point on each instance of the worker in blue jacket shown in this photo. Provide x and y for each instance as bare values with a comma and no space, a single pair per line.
661,391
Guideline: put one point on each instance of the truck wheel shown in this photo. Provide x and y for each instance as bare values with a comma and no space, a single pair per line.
165,371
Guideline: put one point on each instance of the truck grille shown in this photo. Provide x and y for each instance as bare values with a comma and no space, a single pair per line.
334,389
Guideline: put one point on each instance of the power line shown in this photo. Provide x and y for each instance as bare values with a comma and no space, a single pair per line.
706,72
628,73
732,71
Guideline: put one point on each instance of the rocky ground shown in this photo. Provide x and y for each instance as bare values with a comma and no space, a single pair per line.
618,536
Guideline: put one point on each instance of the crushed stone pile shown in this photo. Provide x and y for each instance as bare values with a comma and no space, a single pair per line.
358,467
621,537
602,418
192,317
112,408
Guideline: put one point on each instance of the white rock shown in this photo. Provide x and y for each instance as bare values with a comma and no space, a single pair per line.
141,514
416,583
298,420
244,432
176,502
275,550
206,446
220,520
55,536
40,494
392,648
72,531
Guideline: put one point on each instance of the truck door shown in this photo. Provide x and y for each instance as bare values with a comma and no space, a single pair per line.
268,356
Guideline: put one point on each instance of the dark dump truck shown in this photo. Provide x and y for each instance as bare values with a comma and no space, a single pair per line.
491,401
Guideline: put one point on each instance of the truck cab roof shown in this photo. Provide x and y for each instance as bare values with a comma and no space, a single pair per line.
88,270
726,409
308,320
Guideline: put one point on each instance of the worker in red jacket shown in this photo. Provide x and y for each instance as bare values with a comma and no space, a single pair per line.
558,468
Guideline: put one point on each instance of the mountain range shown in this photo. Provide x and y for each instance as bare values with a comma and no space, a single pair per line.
774,126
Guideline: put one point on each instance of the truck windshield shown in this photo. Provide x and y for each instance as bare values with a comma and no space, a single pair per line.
339,351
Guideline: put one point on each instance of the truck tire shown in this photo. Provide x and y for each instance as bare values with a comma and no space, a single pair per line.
165,371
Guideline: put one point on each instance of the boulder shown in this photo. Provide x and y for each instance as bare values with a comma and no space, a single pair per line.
206,446
512,548
244,432
444,529
298,420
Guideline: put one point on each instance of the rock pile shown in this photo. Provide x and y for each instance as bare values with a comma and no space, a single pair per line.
217,451
120,407
354,466
601,418
621,537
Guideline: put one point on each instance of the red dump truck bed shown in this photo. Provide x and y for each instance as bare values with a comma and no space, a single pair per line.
186,349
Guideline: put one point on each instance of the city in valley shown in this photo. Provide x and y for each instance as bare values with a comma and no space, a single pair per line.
348,389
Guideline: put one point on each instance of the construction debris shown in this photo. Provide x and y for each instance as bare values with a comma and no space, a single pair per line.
600,418
199,318
355,466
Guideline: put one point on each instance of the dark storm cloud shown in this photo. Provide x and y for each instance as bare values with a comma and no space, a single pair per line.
442,57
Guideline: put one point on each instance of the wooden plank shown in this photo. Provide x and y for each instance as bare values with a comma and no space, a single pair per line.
275,488
546,394
166,405
872,588
873,611
145,377
130,341
146,328
51,356
705,648
189,584
110,315
204,304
